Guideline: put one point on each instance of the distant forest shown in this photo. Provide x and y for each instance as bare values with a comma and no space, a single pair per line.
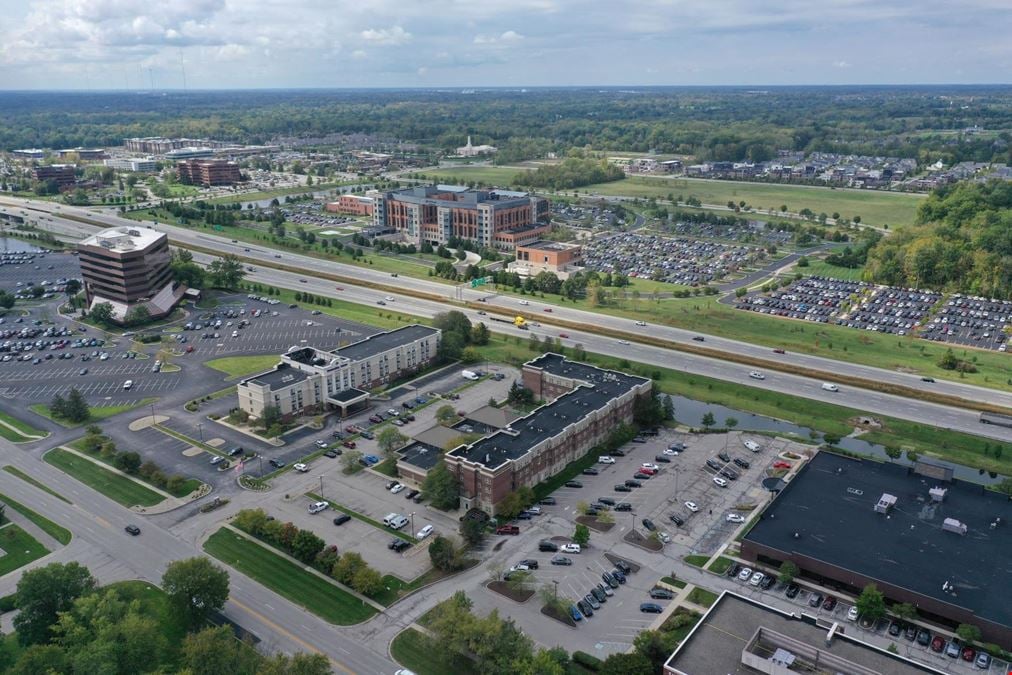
927,123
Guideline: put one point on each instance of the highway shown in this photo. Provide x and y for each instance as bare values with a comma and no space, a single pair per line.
872,402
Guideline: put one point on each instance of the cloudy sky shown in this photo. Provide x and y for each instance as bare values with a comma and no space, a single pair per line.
93,44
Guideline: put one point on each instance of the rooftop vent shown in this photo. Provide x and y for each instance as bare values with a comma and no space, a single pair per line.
783,658
937,494
885,503
953,525
287,378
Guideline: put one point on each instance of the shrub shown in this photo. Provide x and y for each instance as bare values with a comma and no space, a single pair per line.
588,661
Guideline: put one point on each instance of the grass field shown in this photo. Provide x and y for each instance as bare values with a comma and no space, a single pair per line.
15,471
380,317
98,412
21,548
821,268
319,596
112,485
701,596
57,532
240,366
418,653
696,560
270,194
13,436
23,427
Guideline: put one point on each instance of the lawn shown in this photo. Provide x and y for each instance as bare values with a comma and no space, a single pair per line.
319,596
418,653
13,470
720,565
98,412
671,581
241,366
112,485
278,192
701,596
13,436
821,268
696,560
23,427
380,317
21,548
493,175
57,532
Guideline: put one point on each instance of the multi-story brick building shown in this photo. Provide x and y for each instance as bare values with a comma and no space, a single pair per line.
127,267
546,256
585,404
308,379
353,205
61,174
499,219
208,172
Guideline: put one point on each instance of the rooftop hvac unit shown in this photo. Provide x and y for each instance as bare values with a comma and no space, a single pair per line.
885,503
953,525
937,494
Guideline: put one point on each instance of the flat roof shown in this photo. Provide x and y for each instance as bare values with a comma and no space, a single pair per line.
382,342
458,195
715,645
599,386
124,239
346,395
543,245
420,455
830,504
282,375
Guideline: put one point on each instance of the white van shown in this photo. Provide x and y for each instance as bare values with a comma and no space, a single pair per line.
398,522
829,386
389,518
469,375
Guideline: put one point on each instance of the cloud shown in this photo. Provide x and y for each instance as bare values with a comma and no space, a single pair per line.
358,54
508,36
387,36
841,64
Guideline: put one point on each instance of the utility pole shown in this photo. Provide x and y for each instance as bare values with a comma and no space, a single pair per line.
413,522
200,430
152,414
556,582
321,487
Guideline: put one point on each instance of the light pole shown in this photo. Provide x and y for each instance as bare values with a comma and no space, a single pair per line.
200,430
321,487
412,522
152,414
556,582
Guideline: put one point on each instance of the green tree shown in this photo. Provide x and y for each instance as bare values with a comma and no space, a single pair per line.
76,409
196,588
708,420
298,664
350,460
905,611
453,322
473,531
668,405
45,592
731,422
442,554
128,462
968,633
390,439
442,488
137,316
214,651
581,535
101,313
367,581
626,664
270,416
7,300
41,659
227,271
445,414
306,546
451,346
788,572
655,646
871,603
347,567
58,406
480,334
251,521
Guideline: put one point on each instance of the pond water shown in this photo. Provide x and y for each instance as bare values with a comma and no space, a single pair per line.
690,412
17,246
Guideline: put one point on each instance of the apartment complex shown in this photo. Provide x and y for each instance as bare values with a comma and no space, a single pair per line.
352,205
311,380
585,404
918,535
546,256
128,267
500,219
208,172
62,174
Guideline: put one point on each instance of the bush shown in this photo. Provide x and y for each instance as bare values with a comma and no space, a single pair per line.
588,661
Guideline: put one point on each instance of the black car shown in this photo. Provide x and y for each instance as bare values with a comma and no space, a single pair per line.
622,488
649,524
623,566
733,570
793,590
574,484
661,594
639,439
618,452
609,579
412,494
910,633
699,338
132,530
619,575
332,453
924,637
235,451
418,498
398,545
530,563
633,484
727,473
714,464
342,519
599,595
606,500
524,515
601,507
663,459
561,560
724,456
592,510
767,582
623,506
585,607
590,471
741,462
639,475
651,608
547,501
895,628
545,545
391,484
276,463
676,519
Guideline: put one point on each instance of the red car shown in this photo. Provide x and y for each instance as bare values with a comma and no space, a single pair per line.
340,288
563,335
649,472
189,349
349,444
507,529
351,429
548,309
937,644
778,351
969,653
781,465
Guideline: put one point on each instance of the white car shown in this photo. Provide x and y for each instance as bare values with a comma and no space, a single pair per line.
648,465
641,323
300,467
664,536
424,532
756,579
752,445
534,510
605,459
389,298
756,375
735,518
128,384
396,488
745,573
321,444
670,452
520,567
719,482
524,302
569,548
316,507
623,342
692,506
852,613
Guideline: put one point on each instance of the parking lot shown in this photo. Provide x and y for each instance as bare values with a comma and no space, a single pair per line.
899,311
762,233
677,260
971,321
20,271
811,299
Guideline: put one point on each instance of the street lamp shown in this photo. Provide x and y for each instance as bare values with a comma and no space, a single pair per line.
200,430
556,582
321,487
412,522
152,414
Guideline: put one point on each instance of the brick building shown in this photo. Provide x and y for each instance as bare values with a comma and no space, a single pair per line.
352,205
501,219
585,404
208,172
62,174
546,256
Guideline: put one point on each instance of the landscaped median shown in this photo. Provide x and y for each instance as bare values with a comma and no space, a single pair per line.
303,587
57,532
17,431
241,366
116,486
98,412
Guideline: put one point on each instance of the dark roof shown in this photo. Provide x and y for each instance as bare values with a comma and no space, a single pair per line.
421,455
382,342
349,394
715,645
600,386
282,376
830,505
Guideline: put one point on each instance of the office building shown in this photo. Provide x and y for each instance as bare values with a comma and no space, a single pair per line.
208,172
29,153
500,219
190,153
310,380
585,404
128,267
146,165
918,535
741,635
62,174
83,154
352,205
546,256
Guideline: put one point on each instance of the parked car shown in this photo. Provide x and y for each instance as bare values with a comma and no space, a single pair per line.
829,603
924,637
815,600
735,518
507,529
570,548
424,532
622,488
661,594
561,560
852,613
676,519
316,507
575,613
590,471
573,484
398,545
649,524
300,467
276,463
692,507
545,545
662,459
937,644
793,590
609,579
756,578
651,608
342,519
547,501
587,610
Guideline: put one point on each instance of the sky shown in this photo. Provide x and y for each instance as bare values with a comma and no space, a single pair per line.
222,44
